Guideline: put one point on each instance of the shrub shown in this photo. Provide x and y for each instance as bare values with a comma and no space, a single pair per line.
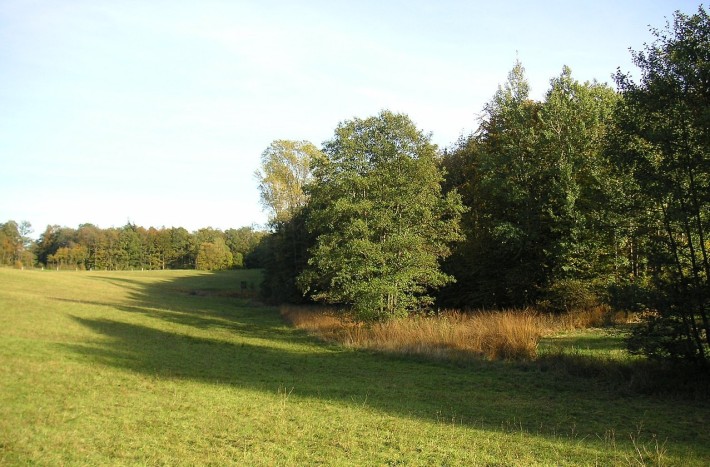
570,294
632,297
660,337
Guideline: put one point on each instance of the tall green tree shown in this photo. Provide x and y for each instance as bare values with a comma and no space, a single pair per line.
129,248
574,121
461,165
381,221
284,254
109,250
178,248
53,238
243,242
286,168
534,179
11,243
214,255
663,140
89,236
502,261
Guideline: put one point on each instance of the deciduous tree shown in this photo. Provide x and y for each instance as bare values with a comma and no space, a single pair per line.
381,221
285,170
214,255
663,140
533,177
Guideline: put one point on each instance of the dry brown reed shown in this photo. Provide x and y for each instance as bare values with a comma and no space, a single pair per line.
580,319
496,335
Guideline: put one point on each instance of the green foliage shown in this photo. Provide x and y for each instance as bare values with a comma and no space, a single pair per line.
129,251
68,258
663,142
535,181
243,243
177,249
661,337
214,256
285,170
14,244
570,295
284,255
381,221
512,185
575,118
135,247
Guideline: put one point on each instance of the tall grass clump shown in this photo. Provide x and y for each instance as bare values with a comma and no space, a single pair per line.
507,335
495,335
596,316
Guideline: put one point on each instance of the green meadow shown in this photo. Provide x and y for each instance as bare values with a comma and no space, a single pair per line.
185,368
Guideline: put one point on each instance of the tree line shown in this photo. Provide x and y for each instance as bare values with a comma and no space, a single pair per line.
89,247
590,196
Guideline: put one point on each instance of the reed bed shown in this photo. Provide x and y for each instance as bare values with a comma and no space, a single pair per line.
495,335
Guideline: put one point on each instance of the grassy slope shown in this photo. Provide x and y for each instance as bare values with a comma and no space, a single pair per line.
170,367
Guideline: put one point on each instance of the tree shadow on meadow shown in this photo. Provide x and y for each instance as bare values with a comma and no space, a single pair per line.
263,353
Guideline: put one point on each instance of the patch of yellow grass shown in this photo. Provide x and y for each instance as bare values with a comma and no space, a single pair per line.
496,335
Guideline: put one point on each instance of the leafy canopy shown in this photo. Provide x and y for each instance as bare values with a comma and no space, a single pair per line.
663,141
381,221
285,169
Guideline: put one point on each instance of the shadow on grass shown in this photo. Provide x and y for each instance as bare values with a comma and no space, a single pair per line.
591,342
262,353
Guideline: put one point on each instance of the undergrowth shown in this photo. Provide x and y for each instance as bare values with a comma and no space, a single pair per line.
499,335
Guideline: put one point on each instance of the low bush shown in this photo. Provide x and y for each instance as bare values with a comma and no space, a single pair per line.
569,295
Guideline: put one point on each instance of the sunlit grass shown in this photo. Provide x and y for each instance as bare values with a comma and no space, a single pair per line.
182,368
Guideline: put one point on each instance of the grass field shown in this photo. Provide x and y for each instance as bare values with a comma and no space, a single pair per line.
179,368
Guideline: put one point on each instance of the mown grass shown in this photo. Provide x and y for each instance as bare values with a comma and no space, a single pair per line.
182,368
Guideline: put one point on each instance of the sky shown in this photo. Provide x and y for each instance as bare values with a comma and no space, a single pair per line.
157,112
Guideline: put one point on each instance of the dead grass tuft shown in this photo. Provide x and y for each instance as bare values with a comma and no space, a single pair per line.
495,335
587,318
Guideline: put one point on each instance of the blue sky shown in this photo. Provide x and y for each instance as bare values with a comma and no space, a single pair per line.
157,112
